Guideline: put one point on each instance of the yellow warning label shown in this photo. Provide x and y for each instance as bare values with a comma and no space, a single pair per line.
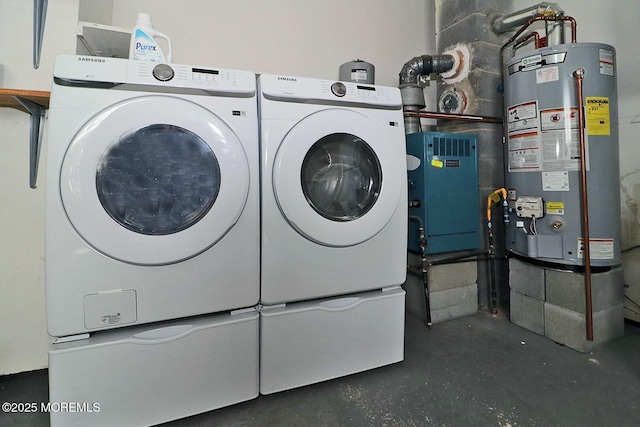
598,118
556,208
437,163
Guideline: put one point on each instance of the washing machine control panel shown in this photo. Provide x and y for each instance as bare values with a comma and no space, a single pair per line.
143,75
191,77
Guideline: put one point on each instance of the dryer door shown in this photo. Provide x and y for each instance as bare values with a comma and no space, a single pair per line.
154,180
337,177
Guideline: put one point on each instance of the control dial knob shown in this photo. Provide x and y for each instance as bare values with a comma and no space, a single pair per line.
339,89
163,72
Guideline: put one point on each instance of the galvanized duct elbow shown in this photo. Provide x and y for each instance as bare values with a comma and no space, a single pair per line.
425,65
411,90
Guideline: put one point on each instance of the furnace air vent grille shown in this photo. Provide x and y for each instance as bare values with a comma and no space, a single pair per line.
451,147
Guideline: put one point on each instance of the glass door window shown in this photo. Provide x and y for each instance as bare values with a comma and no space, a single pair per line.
158,179
338,177
154,180
341,177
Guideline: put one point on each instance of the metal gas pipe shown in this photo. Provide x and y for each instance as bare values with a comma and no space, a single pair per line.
492,199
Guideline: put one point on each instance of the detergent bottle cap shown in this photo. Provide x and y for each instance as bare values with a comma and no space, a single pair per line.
144,19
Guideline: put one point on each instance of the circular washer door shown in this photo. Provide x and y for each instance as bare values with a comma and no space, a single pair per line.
337,177
154,180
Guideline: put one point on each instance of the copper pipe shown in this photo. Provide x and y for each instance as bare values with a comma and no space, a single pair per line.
574,26
579,76
534,35
545,18
450,116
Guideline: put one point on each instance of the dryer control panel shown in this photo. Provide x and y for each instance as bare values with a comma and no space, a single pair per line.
301,89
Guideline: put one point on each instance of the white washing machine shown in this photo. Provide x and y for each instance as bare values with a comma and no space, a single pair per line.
334,227
152,195
152,224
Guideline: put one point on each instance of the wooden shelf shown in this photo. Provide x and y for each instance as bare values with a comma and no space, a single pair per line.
36,96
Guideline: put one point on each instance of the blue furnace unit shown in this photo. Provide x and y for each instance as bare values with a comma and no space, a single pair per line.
443,186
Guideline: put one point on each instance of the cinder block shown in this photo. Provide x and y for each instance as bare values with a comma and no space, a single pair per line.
455,296
449,276
490,170
527,312
526,279
567,289
465,26
569,327
445,305
453,303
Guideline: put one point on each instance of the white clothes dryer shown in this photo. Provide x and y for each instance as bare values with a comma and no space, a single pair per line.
152,193
334,188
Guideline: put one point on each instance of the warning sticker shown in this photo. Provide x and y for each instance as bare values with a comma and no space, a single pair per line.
560,141
555,208
524,137
524,152
523,116
606,62
598,248
598,118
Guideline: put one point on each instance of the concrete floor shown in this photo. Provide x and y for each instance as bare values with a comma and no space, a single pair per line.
474,371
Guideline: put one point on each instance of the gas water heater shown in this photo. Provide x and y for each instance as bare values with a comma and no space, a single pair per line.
542,154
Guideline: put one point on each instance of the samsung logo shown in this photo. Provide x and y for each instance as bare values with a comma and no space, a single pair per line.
90,59
288,79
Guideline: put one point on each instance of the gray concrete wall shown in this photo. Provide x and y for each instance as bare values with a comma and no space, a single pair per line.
469,23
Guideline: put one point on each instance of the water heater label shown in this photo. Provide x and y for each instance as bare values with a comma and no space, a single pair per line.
548,74
524,137
560,142
598,248
531,62
555,181
598,117
606,62
555,208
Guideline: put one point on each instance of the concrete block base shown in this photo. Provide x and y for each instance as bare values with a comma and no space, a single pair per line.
453,292
551,302
453,303
569,327
527,312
